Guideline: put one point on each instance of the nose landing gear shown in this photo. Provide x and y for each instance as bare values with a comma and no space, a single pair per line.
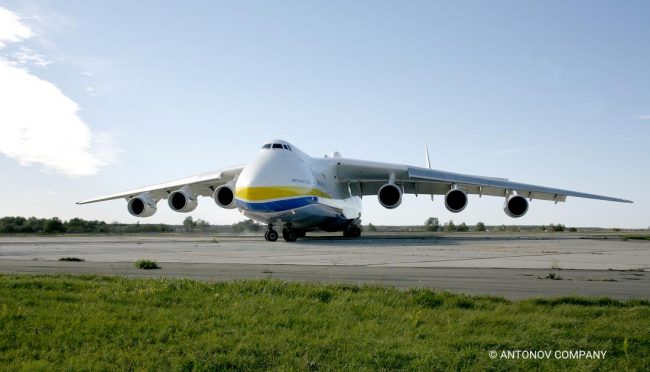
352,231
271,235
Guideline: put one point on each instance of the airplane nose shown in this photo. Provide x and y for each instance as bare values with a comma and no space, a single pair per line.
274,174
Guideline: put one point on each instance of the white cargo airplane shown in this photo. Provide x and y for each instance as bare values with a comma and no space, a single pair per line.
286,188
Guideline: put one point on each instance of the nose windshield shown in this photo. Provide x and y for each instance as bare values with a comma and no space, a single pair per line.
279,146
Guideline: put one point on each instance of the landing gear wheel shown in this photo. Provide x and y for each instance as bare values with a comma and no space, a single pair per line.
271,236
352,231
289,235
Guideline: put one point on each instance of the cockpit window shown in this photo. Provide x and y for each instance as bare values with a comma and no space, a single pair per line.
276,146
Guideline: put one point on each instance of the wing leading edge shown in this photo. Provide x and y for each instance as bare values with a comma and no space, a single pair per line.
200,184
365,178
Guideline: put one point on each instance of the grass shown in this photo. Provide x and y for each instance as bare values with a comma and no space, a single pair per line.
109,323
146,264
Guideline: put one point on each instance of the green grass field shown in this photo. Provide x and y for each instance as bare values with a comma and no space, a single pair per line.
76,323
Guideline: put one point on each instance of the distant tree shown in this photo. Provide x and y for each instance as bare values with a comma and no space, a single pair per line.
246,225
556,228
202,225
34,225
12,224
432,224
480,226
189,224
573,229
462,227
53,226
253,226
450,226
75,225
372,227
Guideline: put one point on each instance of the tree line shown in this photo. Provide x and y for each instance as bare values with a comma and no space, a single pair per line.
33,225
54,225
433,224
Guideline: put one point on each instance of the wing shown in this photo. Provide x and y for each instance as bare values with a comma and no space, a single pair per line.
200,184
365,178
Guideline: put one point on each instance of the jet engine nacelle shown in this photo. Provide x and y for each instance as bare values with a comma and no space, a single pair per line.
224,196
455,200
390,196
515,206
182,200
142,206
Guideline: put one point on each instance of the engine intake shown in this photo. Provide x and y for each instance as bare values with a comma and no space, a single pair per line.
515,206
182,200
142,206
455,200
224,196
390,196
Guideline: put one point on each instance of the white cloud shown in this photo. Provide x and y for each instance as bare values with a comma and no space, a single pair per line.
27,57
38,123
643,117
86,73
11,29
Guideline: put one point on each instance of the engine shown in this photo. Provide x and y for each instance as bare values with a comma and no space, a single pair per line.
515,206
390,196
182,200
455,200
142,206
224,196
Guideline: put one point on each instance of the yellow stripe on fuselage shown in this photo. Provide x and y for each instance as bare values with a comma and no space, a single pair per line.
277,192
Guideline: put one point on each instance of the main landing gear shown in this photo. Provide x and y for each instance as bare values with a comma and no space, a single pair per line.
289,234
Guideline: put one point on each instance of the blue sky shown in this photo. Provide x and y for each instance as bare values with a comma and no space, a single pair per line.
132,93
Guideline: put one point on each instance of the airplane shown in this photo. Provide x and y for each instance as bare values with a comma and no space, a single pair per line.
285,188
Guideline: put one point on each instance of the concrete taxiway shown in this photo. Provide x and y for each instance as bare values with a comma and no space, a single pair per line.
511,266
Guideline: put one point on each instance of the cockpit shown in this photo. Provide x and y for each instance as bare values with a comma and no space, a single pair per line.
280,146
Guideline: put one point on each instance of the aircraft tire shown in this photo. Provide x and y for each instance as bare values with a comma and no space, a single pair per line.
289,235
352,231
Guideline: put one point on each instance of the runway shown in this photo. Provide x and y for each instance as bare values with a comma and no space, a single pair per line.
515,267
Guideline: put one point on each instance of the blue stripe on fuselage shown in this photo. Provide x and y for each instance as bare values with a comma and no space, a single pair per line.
276,205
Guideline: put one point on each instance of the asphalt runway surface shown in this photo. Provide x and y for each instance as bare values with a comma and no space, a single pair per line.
514,267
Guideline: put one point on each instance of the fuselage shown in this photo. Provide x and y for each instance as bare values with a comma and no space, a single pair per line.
284,186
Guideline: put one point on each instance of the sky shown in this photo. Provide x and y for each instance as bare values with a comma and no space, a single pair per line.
105,96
